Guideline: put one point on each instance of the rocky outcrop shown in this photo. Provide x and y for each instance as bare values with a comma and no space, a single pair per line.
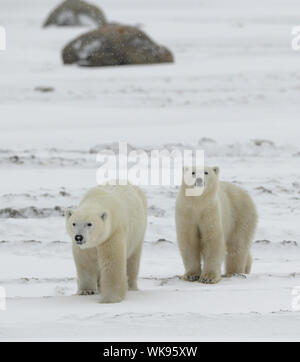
115,44
76,13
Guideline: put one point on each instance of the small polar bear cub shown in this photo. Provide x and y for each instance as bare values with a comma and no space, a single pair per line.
107,231
217,224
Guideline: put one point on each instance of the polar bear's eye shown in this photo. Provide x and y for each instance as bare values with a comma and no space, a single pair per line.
89,224
206,173
74,224
193,173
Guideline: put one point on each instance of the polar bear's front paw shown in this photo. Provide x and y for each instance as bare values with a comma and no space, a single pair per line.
87,292
133,287
191,277
111,299
210,278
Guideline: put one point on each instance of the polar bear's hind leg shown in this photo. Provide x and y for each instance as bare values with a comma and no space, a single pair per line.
238,257
133,266
236,262
248,264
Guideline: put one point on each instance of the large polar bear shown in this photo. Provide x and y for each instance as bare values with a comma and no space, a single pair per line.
107,230
215,225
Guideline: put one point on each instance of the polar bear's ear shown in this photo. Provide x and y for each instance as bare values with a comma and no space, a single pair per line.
216,170
104,216
68,213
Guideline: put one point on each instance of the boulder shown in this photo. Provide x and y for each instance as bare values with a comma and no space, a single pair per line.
76,13
115,44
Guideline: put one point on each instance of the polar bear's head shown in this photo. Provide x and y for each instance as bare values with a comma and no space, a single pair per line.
199,180
87,227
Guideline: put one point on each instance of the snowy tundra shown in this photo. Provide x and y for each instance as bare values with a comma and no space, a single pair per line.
233,91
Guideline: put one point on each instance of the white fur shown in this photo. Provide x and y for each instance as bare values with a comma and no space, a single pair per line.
219,224
112,221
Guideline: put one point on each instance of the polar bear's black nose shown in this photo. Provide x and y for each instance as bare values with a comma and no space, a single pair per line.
199,181
79,238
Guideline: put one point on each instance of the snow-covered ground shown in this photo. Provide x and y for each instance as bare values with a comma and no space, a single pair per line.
236,81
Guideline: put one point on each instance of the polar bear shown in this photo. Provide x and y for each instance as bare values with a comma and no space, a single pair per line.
216,224
107,231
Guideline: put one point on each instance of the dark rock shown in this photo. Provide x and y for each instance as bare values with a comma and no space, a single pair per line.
261,142
76,13
44,89
263,241
115,45
289,242
31,212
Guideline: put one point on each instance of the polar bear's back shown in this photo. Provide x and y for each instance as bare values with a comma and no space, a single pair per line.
238,197
237,206
118,192
129,196
127,193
